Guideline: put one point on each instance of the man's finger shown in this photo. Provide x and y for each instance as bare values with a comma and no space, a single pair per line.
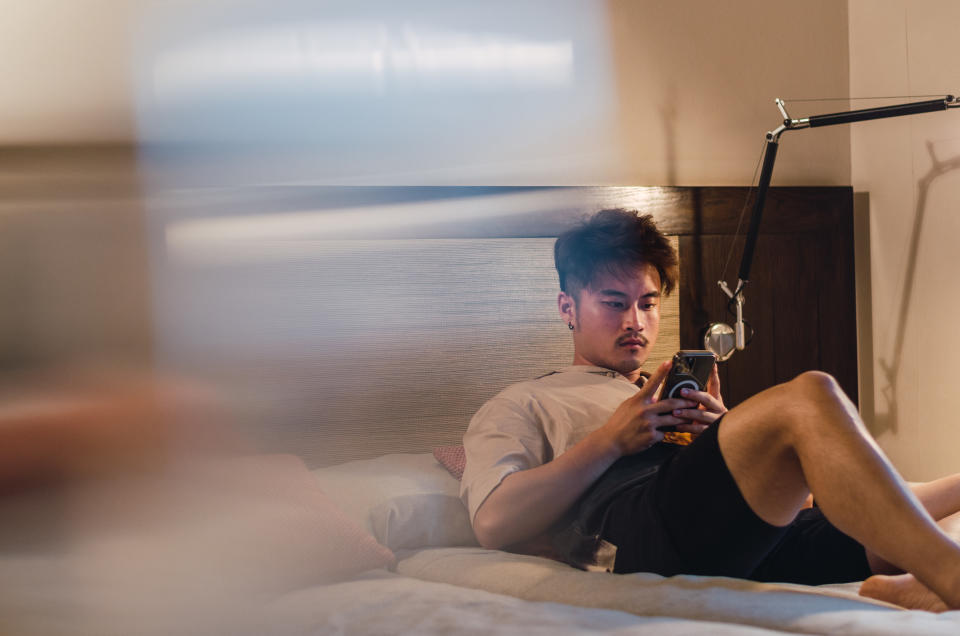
647,392
671,404
713,384
704,398
707,417
696,429
669,422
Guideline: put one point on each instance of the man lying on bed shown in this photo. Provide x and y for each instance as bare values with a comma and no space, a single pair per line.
578,452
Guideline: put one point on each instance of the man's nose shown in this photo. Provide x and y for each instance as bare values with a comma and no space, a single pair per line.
632,320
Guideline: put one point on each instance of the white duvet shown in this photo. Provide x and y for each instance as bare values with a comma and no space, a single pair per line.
385,604
692,599
409,502
537,597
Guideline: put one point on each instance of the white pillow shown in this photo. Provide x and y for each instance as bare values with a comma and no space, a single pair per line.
405,501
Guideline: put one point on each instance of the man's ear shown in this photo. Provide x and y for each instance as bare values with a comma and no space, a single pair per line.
568,307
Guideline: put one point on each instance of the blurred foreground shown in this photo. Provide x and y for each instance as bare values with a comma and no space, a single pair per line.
129,508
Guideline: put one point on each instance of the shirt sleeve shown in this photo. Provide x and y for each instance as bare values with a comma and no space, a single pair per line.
502,438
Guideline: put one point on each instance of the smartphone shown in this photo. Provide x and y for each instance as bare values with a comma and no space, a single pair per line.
691,370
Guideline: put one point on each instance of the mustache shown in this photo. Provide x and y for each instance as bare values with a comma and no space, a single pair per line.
634,336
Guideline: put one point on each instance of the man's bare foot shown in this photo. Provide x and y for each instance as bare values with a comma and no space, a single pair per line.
903,590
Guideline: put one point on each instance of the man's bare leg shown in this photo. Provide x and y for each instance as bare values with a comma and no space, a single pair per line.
806,436
903,590
941,499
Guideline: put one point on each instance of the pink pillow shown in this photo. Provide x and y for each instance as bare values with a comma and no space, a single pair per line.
453,458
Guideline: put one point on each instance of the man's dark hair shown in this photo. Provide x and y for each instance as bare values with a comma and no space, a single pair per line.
613,241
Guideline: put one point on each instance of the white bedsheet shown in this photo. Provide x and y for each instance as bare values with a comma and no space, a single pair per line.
776,607
390,604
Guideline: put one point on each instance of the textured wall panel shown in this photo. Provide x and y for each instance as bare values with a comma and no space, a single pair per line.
358,348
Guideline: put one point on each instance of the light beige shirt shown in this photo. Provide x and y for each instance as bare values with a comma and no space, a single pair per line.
532,422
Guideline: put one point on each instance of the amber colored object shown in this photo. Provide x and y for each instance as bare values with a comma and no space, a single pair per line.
680,439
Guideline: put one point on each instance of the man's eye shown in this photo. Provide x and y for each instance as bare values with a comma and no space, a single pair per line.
649,305
613,303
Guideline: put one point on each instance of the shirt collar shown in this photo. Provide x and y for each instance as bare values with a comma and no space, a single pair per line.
610,373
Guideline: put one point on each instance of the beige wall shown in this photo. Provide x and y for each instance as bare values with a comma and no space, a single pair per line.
697,81
65,66
908,47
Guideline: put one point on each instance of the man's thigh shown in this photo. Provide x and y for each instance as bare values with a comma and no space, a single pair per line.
691,519
762,438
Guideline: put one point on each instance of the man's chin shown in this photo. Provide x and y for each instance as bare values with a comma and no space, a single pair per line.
629,365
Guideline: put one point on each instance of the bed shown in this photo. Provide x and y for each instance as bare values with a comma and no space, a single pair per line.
348,519
410,504
261,544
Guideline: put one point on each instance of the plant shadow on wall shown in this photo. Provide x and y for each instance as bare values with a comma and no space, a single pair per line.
890,366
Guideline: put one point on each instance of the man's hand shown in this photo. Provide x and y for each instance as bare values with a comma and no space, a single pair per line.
707,409
633,427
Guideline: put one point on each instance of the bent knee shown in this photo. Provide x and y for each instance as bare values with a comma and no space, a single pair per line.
816,382
813,391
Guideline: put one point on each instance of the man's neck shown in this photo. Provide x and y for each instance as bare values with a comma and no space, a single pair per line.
633,376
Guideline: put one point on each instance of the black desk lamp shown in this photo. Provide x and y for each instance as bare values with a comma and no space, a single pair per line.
722,339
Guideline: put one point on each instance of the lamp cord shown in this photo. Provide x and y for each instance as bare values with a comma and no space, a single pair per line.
743,211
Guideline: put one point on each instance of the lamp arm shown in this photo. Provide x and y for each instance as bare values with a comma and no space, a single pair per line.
815,121
766,174
898,110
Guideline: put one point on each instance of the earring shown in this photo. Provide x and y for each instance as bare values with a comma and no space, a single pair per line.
570,326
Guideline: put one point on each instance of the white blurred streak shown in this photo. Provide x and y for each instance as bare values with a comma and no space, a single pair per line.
345,58
351,56
423,92
197,237
540,63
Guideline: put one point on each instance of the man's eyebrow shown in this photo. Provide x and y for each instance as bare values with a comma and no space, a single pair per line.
614,292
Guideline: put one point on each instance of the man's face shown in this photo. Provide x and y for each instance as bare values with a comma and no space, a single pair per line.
616,320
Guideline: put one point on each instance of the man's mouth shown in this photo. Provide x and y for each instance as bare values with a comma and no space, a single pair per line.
634,341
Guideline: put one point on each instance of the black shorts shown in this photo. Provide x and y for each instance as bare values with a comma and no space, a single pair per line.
691,519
